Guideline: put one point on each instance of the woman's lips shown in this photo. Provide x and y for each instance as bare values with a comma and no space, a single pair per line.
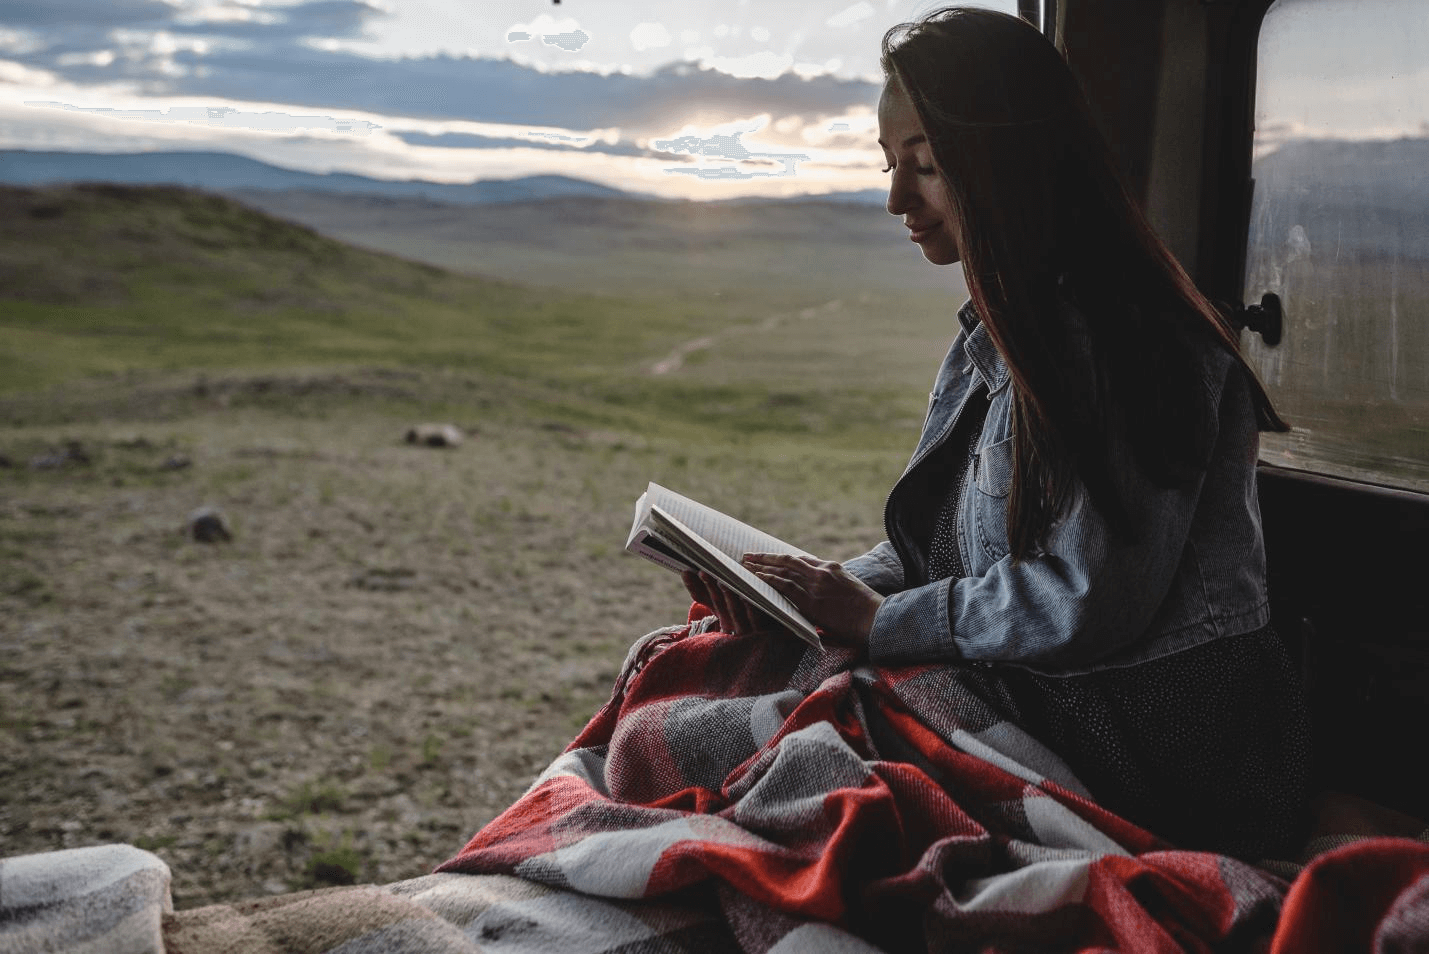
921,233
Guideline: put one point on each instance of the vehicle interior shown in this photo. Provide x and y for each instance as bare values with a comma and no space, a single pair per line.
1194,96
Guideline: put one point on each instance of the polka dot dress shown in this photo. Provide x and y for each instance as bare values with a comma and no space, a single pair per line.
954,467
944,561
1208,747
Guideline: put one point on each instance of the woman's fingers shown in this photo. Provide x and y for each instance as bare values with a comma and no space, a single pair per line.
747,616
831,597
736,617
718,602
770,559
820,589
784,584
791,575
697,589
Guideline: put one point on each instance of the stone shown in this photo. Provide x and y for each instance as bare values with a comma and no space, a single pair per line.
209,525
434,435
73,453
384,580
258,847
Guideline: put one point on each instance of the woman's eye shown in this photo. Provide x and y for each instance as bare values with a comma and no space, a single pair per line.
921,170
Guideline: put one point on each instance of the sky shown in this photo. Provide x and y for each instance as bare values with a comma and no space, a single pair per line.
701,99
1328,70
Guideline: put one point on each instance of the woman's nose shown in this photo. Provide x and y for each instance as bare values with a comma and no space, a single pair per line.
901,196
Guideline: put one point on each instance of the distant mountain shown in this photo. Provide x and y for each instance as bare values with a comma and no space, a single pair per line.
766,251
860,197
225,172
1344,200
878,197
222,172
1393,172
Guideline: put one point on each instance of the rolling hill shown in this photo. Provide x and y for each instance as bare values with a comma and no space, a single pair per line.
224,172
221,172
98,277
769,254
112,279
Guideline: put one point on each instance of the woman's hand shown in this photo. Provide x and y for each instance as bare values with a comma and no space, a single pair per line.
736,617
832,598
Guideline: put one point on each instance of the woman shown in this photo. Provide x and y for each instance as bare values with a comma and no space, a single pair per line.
1078,527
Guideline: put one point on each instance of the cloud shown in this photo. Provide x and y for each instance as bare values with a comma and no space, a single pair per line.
252,56
229,11
21,75
570,42
565,34
850,143
19,42
224,116
479,89
649,36
724,173
150,44
328,19
764,63
723,146
108,13
91,57
854,14
536,140
728,146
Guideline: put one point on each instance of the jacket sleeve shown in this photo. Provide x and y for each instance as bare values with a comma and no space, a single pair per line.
880,568
1065,605
1083,596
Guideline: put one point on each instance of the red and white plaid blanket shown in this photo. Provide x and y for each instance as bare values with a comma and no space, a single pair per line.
805,792
742,795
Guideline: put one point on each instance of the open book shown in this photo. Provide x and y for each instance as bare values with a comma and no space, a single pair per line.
677,532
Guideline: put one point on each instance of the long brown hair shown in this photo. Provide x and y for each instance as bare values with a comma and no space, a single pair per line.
1042,217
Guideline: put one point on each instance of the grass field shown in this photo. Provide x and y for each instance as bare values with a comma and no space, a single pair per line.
396,638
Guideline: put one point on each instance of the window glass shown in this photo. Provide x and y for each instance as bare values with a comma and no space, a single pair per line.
1340,231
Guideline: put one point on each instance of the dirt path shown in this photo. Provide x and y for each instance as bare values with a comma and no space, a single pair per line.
675,360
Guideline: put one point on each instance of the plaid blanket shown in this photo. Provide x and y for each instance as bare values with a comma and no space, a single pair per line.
1368,895
743,795
803,791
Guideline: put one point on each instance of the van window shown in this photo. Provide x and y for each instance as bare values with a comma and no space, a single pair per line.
1340,231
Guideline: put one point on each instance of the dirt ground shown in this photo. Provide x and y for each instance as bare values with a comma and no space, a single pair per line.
393,643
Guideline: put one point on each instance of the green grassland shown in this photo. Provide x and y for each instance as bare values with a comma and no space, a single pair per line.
767,256
397,638
111,281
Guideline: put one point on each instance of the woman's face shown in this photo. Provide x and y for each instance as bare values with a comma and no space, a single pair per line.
917,191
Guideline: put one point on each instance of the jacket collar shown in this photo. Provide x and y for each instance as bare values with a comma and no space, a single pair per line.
981,351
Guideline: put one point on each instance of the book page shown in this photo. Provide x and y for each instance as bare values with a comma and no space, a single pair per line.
731,537
733,574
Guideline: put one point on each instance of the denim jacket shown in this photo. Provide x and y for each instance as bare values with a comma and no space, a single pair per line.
1086,599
